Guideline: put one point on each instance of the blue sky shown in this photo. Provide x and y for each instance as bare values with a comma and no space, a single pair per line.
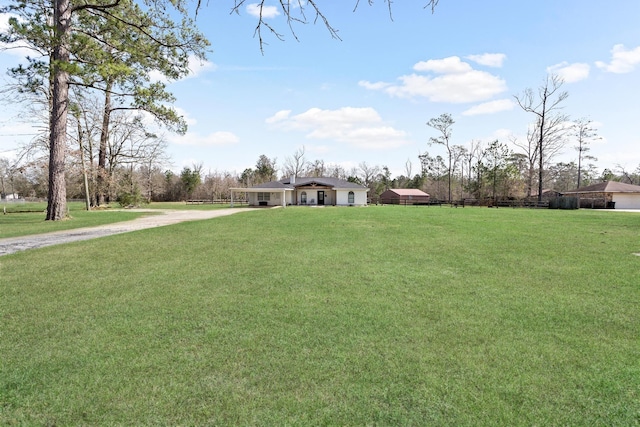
367,97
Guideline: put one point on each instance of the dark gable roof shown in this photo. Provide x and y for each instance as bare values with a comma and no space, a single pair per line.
607,187
285,184
273,185
328,181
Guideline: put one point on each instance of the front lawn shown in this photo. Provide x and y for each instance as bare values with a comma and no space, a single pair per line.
335,316
24,219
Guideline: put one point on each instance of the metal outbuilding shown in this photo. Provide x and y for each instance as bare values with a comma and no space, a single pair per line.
404,196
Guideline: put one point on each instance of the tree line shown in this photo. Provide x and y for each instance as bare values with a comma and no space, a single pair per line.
90,81
109,49
481,171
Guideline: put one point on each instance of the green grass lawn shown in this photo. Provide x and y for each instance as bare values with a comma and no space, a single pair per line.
29,218
24,219
334,316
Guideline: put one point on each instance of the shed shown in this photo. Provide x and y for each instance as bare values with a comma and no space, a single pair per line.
404,196
617,195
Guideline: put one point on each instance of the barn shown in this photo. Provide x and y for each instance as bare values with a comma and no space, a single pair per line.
609,194
404,196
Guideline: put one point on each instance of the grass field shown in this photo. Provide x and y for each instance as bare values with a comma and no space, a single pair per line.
29,218
334,316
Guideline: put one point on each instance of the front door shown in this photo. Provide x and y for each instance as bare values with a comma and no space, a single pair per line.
321,197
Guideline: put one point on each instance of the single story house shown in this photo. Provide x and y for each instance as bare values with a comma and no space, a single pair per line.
616,195
404,196
310,191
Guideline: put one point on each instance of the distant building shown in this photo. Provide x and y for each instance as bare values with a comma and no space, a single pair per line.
314,191
608,194
404,196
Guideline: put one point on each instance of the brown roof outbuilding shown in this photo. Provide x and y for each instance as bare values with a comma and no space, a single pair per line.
404,196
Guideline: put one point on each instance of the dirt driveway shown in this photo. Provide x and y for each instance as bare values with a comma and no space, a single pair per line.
161,218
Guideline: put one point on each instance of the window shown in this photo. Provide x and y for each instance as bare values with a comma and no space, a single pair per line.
303,198
264,197
351,197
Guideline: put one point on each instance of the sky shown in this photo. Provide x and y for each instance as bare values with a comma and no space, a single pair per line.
367,96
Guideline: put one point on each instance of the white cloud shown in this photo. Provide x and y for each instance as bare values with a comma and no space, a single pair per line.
280,116
623,60
455,88
373,86
489,59
318,149
254,9
18,49
213,139
500,134
185,115
457,82
570,73
450,65
360,127
196,67
490,107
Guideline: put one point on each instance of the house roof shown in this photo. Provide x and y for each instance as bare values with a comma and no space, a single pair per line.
273,184
328,181
286,184
607,187
407,192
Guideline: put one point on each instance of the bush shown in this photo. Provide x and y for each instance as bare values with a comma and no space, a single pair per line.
131,199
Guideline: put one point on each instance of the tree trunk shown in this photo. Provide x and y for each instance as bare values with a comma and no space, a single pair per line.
87,196
102,154
57,203
532,168
542,116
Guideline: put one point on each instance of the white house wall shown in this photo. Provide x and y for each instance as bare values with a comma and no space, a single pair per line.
359,197
626,200
275,199
329,197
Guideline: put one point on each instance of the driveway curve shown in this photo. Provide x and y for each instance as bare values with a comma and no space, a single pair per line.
163,217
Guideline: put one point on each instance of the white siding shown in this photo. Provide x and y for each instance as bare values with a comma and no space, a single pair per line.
329,196
289,197
360,197
275,198
626,200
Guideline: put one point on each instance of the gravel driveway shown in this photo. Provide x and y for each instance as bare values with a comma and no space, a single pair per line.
161,218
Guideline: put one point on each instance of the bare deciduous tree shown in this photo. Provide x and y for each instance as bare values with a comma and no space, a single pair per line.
298,12
443,124
408,166
368,173
529,149
295,165
550,126
585,134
